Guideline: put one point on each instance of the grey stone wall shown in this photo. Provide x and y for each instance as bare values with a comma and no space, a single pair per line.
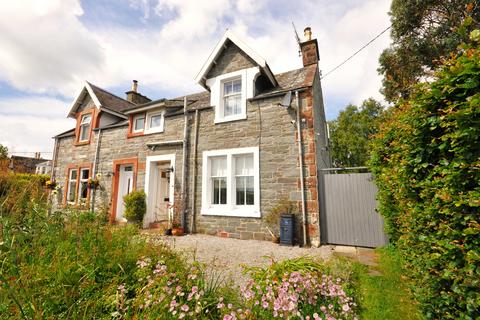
230,60
267,126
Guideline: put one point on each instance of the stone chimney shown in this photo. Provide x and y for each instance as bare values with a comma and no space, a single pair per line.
309,48
135,97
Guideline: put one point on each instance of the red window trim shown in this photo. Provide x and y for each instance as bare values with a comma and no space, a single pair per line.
78,167
130,133
93,124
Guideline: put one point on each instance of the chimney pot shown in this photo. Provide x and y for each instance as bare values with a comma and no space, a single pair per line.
135,86
307,32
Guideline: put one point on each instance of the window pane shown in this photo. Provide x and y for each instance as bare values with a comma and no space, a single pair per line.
155,121
84,130
244,165
249,192
139,123
228,106
219,191
240,186
86,119
83,190
73,174
219,166
71,191
237,86
227,88
84,174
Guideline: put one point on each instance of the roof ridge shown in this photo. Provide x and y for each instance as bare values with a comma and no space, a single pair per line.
108,92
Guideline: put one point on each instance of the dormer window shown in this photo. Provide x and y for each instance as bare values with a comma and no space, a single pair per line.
139,123
154,122
85,124
232,97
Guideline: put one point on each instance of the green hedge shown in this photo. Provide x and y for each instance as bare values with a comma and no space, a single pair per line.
426,162
135,206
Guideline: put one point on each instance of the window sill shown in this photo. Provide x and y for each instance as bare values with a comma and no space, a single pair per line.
152,131
226,211
231,118
135,134
81,143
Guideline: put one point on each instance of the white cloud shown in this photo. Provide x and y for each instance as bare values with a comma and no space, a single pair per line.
28,124
47,49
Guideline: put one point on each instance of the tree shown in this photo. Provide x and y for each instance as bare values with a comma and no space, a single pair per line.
350,133
424,32
3,152
425,160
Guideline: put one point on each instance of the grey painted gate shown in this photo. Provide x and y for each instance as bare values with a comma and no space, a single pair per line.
349,216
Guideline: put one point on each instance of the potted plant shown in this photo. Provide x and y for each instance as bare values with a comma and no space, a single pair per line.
177,229
50,184
93,183
272,219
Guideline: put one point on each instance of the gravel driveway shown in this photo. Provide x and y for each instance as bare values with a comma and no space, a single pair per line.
225,256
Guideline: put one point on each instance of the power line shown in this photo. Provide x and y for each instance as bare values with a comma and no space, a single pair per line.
356,52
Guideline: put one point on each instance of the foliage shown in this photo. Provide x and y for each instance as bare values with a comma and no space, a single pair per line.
350,133
423,31
383,293
20,192
135,206
301,288
426,162
283,206
3,152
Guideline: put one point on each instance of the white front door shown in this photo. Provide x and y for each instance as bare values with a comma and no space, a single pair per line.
125,186
161,192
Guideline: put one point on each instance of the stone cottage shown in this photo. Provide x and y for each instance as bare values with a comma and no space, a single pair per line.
221,158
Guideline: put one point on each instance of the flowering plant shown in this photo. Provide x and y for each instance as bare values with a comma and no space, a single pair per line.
50,184
93,183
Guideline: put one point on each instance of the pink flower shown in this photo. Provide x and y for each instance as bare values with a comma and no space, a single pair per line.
346,307
184,308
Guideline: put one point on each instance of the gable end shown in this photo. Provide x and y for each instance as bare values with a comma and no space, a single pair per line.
231,59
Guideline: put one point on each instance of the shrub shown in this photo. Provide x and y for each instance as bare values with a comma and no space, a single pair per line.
135,206
426,165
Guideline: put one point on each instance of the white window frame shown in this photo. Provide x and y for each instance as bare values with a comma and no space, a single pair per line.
230,209
148,119
135,118
83,126
223,95
69,185
215,84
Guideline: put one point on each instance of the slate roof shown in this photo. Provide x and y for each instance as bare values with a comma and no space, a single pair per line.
291,80
111,101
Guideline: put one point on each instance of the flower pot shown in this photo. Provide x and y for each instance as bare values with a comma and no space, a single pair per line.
177,231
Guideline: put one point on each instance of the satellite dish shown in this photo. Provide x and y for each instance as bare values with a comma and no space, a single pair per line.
287,100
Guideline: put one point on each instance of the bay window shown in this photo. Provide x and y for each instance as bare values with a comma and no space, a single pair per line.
230,185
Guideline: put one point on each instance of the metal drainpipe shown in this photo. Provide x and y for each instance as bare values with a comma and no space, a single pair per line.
94,171
302,178
184,165
194,172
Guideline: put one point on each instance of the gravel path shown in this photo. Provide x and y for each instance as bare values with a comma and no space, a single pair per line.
224,256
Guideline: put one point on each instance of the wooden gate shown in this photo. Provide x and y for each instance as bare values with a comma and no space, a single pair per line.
348,215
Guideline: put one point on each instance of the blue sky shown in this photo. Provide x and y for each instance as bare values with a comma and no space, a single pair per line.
49,47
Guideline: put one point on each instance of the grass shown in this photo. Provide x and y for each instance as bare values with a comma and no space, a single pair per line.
385,296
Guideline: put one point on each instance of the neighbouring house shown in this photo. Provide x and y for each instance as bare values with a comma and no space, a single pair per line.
20,164
44,167
222,157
